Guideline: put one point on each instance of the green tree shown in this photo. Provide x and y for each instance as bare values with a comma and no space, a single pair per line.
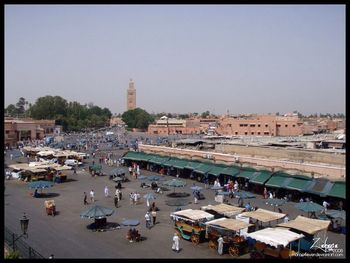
205,114
137,118
21,105
11,110
48,107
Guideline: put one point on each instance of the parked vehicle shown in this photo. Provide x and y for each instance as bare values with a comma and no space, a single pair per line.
71,162
230,230
190,225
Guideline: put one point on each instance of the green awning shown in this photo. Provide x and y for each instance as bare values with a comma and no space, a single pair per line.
169,162
338,190
158,159
231,170
137,156
261,177
277,181
247,173
298,184
179,163
217,170
319,187
144,157
192,165
203,168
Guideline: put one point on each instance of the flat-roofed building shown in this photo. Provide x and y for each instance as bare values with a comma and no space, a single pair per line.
27,129
263,125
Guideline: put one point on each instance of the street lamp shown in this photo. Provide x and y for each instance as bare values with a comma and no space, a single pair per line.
24,221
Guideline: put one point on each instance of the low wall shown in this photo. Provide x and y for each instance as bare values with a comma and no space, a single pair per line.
328,171
304,155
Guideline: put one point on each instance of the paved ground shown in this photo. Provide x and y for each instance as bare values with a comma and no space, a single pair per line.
66,235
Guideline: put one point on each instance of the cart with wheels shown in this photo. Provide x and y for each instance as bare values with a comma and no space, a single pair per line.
230,230
274,243
189,224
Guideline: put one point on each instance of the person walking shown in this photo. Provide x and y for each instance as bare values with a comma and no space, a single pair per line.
265,193
106,191
154,216
325,205
116,200
220,245
92,196
176,243
148,220
286,219
85,199
195,194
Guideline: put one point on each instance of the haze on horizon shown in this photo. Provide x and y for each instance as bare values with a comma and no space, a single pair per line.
240,58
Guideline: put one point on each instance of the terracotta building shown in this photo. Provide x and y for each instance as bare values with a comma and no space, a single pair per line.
265,125
131,96
26,129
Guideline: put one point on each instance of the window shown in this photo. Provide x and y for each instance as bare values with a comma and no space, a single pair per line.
252,125
286,125
266,125
252,133
241,125
278,125
7,132
236,133
266,133
246,133
293,125
258,133
258,125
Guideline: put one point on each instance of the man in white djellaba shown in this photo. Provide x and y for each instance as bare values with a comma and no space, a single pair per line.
176,243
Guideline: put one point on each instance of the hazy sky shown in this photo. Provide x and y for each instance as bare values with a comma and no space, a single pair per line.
241,58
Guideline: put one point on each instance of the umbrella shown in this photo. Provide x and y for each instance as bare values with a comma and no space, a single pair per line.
97,212
118,171
309,207
244,194
96,167
216,187
224,193
275,202
177,202
117,179
175,183
149,196
153,178
336,213
196,188
40,184
130,222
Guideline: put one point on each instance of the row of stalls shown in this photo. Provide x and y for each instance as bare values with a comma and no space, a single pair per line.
249,232
291,186
37,171
48,153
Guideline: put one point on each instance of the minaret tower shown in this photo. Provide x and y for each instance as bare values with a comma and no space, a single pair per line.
131,96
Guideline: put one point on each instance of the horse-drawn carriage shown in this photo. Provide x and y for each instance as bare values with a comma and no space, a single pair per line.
230,229
50,207
189,224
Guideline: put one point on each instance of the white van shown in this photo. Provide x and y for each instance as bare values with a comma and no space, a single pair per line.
71,162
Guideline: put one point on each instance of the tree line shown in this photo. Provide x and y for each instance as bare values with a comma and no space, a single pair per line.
71,115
